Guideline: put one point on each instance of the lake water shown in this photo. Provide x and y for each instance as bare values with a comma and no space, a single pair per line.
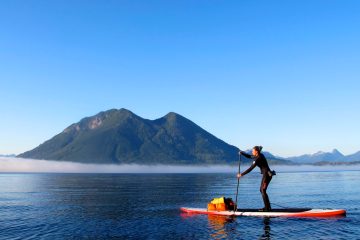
146,206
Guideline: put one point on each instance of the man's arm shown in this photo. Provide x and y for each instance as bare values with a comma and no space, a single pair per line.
249,169
246,155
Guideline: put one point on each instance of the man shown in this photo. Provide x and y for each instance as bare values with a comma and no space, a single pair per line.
261,162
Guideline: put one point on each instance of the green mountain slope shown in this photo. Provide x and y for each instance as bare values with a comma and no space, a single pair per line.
120,136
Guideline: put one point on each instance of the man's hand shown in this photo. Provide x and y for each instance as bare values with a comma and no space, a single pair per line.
239,175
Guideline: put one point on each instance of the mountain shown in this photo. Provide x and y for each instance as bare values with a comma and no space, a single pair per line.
353,157
120,136
334,156
7,155
276,160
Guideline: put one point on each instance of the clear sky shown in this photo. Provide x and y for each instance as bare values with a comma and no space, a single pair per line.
282,74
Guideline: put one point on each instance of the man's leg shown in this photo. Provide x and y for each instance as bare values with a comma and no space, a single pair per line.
264,185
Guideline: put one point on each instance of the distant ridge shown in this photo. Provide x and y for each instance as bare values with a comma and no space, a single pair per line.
320,157
353,157
7,155
120,136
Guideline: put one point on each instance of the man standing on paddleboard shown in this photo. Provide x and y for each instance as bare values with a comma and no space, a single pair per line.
261,162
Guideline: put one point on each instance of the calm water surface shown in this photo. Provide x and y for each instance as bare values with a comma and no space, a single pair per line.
146,206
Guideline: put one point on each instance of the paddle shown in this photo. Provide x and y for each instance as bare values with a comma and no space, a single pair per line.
237,188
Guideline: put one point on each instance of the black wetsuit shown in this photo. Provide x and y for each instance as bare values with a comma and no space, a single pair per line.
262,163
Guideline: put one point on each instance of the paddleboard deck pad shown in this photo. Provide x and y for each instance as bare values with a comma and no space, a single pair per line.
291,212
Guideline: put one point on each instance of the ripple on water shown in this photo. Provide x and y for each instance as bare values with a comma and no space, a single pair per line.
146,206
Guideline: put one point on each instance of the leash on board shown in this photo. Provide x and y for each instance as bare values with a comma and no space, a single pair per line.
281,206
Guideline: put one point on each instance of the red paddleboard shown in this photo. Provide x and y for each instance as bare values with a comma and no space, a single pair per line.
291,212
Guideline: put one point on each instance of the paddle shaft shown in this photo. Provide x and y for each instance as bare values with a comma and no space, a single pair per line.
237,188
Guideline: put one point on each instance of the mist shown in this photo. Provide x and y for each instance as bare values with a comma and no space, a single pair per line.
44,166
21,165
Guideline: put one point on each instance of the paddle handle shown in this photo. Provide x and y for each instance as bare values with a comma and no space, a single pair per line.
237,188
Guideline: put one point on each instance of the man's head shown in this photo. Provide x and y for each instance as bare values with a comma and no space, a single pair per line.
256,150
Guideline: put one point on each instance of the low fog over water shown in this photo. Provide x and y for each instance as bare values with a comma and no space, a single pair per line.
30,165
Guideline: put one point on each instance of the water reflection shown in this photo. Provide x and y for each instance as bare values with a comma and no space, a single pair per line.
224,227
218,224
266,234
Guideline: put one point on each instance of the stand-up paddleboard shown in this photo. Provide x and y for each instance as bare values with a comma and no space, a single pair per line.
291,212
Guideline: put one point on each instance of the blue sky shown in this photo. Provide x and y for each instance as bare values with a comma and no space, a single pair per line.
282,74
